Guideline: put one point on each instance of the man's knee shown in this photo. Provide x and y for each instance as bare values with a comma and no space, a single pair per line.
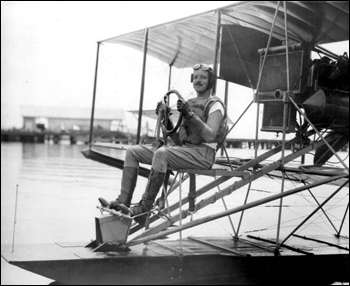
131,158
160,160
160,154
130,154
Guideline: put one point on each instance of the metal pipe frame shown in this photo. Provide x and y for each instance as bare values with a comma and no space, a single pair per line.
311,214
94,95
145,44
231,211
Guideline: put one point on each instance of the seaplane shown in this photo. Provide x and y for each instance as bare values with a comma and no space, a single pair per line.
266,46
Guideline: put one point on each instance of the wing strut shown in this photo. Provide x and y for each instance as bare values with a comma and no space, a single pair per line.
94,95
145,42
311,214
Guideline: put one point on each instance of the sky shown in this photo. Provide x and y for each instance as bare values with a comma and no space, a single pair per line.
48,49
48,54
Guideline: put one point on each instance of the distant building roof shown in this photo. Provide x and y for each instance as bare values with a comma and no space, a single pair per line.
70,112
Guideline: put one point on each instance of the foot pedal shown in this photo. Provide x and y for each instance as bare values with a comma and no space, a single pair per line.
112,228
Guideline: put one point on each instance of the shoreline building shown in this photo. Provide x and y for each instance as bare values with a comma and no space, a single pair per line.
58,119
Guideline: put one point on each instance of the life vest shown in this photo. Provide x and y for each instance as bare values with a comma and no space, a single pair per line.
201,106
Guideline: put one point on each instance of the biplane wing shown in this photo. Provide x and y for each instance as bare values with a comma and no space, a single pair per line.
246,28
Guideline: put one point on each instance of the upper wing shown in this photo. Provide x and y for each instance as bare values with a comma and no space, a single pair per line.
247,25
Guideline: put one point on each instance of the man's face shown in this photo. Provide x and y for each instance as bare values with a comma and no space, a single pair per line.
200,80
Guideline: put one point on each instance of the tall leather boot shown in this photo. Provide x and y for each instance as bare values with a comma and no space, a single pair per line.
128,184
155,181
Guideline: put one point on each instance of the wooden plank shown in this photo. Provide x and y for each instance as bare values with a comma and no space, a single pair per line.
188,247
38,252
111,145
321,241
284,245
228,243
245,241
216,172
173,250
218,246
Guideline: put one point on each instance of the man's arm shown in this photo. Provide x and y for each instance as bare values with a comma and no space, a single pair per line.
209,132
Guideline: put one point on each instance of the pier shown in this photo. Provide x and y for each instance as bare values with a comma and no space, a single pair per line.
250,143
73,137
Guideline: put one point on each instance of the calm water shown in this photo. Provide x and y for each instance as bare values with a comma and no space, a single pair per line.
58,190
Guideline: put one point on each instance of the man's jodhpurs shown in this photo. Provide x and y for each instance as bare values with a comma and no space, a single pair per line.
187,156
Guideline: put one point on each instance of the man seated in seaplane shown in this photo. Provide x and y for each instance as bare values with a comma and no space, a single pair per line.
203,129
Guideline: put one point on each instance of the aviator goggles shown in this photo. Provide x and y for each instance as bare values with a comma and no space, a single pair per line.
204,67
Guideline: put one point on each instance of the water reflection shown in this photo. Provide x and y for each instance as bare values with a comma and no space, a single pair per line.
39,151
56,182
